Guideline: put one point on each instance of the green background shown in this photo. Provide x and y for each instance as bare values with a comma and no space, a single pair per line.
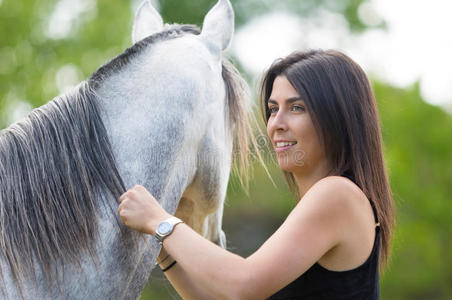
417,135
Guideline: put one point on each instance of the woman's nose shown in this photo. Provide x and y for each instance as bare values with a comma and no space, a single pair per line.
279,122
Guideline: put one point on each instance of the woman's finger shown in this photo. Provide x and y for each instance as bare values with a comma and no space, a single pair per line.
123,196
121,205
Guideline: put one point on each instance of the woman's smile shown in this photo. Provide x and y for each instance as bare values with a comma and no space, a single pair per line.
281,146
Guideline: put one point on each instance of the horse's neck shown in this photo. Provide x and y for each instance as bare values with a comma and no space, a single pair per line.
155,137
147,152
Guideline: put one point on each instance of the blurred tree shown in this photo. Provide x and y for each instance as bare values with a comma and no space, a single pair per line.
418,142
193,11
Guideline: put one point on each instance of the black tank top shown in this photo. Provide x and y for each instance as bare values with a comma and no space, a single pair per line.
319,283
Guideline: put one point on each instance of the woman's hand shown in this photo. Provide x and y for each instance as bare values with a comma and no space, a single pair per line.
139,210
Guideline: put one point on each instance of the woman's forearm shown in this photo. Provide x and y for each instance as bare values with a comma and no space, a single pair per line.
184,285
180,280
203,270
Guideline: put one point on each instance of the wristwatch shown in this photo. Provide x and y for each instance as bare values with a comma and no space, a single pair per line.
166,227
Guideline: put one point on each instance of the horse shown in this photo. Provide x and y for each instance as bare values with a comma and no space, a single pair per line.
167,113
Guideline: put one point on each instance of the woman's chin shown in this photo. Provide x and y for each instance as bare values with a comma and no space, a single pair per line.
287,166
291,160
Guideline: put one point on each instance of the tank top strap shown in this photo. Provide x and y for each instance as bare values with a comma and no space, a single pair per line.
377,223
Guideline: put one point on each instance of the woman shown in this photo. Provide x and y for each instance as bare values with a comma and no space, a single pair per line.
322,119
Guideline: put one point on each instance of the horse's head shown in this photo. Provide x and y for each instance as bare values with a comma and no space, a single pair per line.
180,104
174,75
173,63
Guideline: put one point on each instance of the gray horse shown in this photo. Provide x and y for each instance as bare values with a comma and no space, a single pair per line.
167,113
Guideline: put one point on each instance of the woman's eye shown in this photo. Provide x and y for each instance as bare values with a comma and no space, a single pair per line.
272,109
298,108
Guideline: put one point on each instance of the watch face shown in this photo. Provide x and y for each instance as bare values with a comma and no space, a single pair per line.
164,228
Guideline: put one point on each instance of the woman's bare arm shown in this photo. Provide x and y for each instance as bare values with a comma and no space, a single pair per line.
181,280
319,222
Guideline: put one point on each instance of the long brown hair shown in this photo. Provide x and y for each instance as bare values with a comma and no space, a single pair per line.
341,101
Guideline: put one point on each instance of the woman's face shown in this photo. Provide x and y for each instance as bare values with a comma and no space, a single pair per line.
290,128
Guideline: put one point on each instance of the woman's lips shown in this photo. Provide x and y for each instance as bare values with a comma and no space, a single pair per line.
284,148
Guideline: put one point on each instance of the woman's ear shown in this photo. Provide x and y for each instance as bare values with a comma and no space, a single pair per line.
147,21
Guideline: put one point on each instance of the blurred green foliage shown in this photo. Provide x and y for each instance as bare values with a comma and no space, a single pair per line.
417,135
193,12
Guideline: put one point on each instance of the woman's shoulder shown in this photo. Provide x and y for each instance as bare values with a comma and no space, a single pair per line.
338,183
336,191
327,215
338,201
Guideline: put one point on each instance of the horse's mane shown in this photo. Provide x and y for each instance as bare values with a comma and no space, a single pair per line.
55,163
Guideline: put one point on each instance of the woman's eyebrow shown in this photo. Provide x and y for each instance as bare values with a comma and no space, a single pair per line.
289,100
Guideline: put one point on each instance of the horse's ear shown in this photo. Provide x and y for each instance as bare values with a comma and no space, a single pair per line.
147,21
218,26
